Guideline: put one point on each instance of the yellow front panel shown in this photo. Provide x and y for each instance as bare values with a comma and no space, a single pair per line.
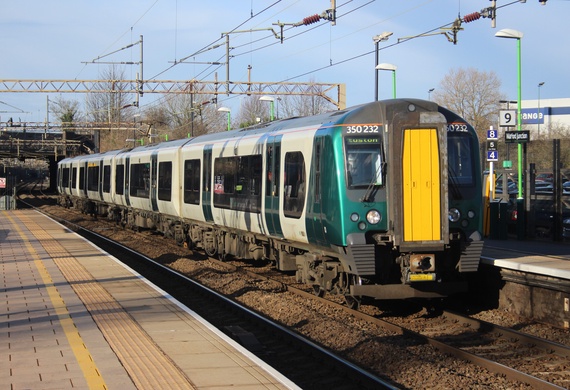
421,185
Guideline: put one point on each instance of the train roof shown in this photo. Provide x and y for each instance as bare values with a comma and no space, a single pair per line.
376,110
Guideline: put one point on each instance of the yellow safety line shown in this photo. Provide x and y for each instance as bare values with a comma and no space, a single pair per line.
152,369
90,371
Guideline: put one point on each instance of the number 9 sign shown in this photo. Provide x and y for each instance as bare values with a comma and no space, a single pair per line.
508,118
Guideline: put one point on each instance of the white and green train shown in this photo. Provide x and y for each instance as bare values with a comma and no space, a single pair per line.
380,200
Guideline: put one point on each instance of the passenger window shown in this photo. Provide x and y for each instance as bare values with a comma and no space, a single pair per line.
192,181
81,178
120,179
106,178
295,182
237,183
165,180
65,177
74,178
140,180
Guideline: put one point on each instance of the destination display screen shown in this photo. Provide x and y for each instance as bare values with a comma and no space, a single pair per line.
362,140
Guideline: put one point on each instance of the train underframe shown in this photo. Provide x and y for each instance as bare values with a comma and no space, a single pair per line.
326,271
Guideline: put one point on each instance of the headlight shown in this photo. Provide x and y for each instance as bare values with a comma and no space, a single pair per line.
454,215
354,217
471,214
373,217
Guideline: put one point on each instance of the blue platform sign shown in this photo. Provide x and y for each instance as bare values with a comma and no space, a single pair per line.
492,134
492,155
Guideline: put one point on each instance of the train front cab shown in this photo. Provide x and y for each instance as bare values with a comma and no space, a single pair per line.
465,195
407,253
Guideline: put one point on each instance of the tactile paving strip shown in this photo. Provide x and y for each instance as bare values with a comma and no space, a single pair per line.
145,362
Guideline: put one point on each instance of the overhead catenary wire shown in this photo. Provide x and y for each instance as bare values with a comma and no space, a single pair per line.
211,69
212,44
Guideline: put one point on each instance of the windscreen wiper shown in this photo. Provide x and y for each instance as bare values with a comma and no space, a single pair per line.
368,195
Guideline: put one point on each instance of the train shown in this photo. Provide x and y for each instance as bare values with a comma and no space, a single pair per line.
382,200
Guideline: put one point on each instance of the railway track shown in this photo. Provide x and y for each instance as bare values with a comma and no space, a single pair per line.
524,358
520,358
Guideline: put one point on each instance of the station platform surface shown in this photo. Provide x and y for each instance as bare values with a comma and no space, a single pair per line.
73,317
540,257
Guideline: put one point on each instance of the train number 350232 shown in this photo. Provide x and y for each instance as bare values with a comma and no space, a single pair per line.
362,129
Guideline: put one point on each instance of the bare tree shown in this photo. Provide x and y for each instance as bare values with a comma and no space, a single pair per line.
189,117
111,106
253,110
155,120
305,105
472,94
67,112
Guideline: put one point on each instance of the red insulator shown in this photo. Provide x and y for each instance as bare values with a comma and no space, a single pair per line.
471,17
311,19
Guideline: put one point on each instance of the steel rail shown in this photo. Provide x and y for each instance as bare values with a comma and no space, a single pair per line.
490,365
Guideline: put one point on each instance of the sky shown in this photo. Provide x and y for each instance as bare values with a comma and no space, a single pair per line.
60,39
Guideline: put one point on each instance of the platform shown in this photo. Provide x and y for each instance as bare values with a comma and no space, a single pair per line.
534,278
73,317
546,258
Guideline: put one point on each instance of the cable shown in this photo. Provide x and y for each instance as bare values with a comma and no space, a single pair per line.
122,35
207,47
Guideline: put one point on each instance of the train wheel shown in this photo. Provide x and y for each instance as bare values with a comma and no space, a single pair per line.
211,250
222,254
352,302
318,291
210,244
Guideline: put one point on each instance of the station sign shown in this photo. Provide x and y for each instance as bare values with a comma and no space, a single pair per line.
492,155
517,136
507,118
492,134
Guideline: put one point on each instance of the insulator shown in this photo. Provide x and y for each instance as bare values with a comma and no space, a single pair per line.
471,17
311,19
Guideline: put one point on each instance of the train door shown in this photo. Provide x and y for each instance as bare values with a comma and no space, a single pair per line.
153,180
206,184
421,183
272,185
127,181
83,179
101,179
315,220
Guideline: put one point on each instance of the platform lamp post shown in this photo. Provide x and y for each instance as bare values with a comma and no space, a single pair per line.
538,113
392,68
377,39
429,93
514,34
271,105
229,112
521,212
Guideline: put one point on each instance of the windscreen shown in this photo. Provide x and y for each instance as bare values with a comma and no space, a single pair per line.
459,160
363,163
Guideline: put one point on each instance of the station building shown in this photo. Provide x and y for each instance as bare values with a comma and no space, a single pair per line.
540,115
